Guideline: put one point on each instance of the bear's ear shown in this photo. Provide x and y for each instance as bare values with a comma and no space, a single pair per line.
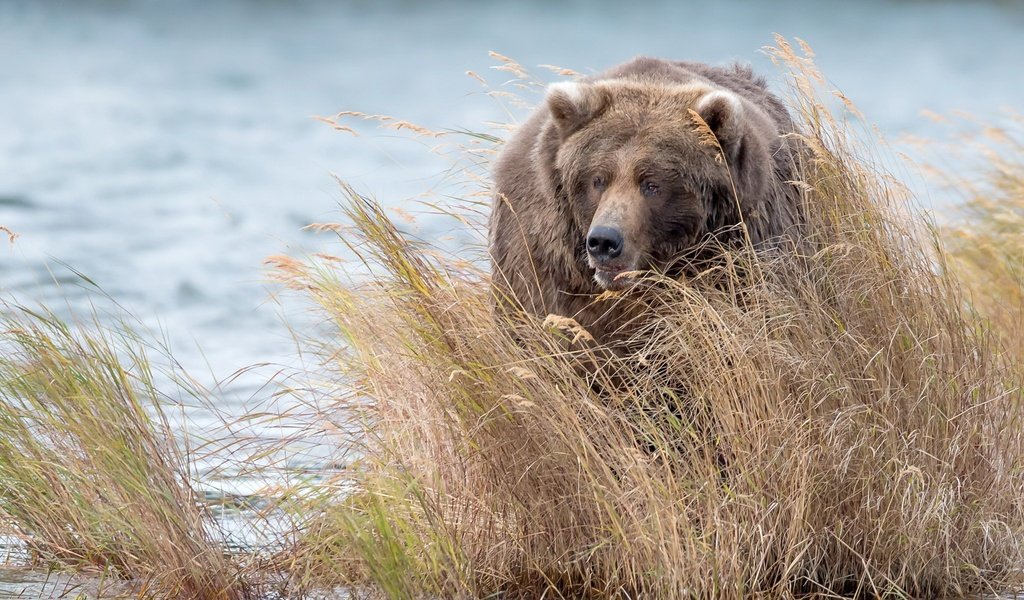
723,112
573,105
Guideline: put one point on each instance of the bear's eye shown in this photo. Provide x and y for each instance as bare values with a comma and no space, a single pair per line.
649,188
598,182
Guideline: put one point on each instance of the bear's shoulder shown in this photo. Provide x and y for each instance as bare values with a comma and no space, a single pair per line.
735,75
738,78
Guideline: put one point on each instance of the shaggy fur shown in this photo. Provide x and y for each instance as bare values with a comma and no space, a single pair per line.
625,149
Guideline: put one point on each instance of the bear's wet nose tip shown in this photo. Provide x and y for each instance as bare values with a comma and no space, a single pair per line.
604,243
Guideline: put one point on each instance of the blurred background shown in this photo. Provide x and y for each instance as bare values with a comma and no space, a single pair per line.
164,149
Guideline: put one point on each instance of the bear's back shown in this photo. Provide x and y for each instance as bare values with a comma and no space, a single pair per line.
736,78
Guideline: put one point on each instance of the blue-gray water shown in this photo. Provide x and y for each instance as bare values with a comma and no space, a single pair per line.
164,149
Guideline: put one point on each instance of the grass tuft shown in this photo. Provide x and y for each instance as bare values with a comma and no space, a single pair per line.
91,476
986,241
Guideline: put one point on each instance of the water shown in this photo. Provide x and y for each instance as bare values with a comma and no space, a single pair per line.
165,149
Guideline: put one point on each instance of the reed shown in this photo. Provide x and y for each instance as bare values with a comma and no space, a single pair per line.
986,236
91,475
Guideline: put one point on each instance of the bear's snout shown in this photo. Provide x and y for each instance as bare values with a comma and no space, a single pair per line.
604,243
609,257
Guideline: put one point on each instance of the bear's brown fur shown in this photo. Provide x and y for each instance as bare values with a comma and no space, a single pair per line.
612,174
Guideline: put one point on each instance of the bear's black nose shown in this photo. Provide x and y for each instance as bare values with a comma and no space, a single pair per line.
604,243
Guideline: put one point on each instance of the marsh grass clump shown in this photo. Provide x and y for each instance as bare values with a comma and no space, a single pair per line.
91,475
986,236
835,420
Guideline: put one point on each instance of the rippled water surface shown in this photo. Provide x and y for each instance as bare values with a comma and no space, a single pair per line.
164,149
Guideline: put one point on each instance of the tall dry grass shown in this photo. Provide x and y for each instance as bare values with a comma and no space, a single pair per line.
986,235
92,477
833,421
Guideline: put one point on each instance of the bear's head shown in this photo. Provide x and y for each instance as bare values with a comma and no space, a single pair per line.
644,180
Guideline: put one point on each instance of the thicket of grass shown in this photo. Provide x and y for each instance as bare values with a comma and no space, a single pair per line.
91,476
835,421
844,419
985,237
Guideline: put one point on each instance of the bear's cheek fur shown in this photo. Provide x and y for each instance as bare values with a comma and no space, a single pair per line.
582,201
677,228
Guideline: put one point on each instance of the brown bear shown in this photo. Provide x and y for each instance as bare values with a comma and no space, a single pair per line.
614,174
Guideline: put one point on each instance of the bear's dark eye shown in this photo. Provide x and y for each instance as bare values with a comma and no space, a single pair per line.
598,183
649,188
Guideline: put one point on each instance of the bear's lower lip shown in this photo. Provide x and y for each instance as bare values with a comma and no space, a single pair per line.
609,270
606,277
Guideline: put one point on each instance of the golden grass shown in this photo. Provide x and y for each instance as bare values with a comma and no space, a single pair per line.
91,476
835,421
986,236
